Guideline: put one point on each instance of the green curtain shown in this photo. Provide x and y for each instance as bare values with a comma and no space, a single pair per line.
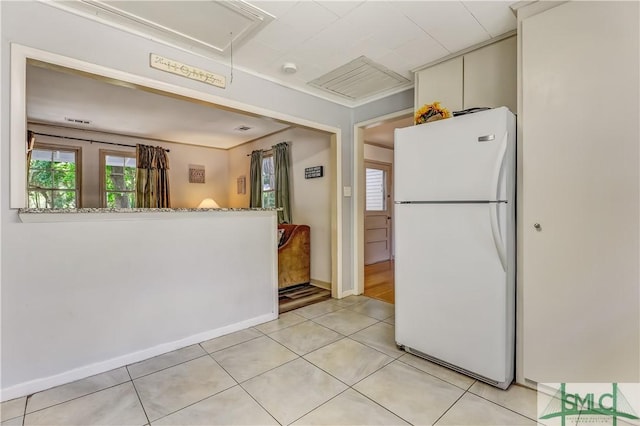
255,179
282,167
152,177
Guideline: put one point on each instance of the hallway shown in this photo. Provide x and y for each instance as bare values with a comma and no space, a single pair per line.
379,281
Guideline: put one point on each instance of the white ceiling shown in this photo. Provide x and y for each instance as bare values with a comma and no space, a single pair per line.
317,36
54,96
382,134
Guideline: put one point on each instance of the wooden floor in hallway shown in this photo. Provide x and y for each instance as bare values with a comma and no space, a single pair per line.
379,281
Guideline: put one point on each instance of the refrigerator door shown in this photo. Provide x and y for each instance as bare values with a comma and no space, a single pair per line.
457,159
453,300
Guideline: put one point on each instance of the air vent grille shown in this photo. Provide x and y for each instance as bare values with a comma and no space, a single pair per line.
359,79
77,120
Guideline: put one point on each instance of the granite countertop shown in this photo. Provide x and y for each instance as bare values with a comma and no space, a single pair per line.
138,210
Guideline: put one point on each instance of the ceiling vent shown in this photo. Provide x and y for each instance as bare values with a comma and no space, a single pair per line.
206,25
360,79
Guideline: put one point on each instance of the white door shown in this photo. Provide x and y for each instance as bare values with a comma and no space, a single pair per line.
377,214
453,299
580,186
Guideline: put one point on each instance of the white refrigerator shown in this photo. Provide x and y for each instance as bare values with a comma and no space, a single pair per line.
454,187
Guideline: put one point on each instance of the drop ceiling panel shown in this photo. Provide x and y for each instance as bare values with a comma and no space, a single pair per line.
193,20
449,22
493,16
340,8
206,25
309,17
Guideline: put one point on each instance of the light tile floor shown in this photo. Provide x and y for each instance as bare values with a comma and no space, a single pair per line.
332,363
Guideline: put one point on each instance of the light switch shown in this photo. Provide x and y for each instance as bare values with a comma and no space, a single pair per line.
346,191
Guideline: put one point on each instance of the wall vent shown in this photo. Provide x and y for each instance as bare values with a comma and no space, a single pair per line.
77,120
360,79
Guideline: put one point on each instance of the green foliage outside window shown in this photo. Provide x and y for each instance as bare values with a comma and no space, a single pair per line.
52,182
268,183
120,182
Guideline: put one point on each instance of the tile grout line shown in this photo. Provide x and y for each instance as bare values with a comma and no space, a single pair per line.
144,410
208,396
258,402
24,412
450,407
324,403
500,405
164,368
77,397
380,405
433,375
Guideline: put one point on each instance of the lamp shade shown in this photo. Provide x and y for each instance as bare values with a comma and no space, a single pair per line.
208,203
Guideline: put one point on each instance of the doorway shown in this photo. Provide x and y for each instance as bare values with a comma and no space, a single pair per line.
374,271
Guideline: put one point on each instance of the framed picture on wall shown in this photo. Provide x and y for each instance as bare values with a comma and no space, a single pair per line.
196,173
242,185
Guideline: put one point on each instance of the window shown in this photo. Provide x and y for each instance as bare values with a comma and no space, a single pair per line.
268,183
54,177
118,179
376,184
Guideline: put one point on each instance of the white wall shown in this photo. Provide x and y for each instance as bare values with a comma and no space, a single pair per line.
376,153
84,297
310,198
183,193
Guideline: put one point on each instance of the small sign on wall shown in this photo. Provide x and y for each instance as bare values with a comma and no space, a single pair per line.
188,71
242,185
196,173
314,172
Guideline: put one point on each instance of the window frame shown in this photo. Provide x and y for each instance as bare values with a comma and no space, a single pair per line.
266,157
102,169
77,150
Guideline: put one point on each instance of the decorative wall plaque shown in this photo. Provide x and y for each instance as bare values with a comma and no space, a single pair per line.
196,173
178,68
242,185
314,172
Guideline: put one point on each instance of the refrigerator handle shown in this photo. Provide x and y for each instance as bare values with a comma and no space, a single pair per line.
495,231
498,168
493,207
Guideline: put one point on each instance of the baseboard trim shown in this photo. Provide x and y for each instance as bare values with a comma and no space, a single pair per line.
322,284
37,385
347,293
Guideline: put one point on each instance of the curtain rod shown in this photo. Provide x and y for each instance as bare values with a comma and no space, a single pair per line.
263,150
88,140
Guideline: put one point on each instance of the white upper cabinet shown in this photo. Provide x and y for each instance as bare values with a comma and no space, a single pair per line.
485,77
442,83
490,76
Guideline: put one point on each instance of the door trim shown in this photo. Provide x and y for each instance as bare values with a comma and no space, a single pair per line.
358,194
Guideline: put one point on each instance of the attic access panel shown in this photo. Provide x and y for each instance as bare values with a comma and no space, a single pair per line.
207,25
360,79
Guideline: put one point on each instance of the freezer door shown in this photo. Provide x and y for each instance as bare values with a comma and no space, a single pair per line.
453,298
471,157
